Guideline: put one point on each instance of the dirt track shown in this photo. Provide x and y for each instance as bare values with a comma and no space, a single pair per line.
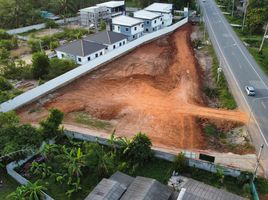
155,89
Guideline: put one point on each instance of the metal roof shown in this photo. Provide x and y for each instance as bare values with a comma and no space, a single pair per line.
106,190
124,179
112,4
106,37
126,21
81,48
160,7
144,14
146,189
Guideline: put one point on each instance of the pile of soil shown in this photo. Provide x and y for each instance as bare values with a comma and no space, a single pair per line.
155,89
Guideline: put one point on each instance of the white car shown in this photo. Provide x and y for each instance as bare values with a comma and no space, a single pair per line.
250,90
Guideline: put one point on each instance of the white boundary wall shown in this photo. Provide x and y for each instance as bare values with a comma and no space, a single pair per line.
38,26
70,76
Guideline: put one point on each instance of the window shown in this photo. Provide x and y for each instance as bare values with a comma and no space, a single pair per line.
161,19
124,43
155,21
142,25
118,28
113,28
79,59
162,22
135,28
126,29
96,55
88,58
101,53
147,29
114,46
147,22
133,36
106,48
62,55
120,44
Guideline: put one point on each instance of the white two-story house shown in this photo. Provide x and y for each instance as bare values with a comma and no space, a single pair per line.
152,21
129,26
164,9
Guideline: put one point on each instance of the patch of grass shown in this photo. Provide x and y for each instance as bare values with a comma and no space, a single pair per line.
86,119
9,184
262,185
210,129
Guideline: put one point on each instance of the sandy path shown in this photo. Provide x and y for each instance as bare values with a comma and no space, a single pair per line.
155,89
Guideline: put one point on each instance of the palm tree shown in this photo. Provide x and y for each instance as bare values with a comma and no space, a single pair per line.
65,7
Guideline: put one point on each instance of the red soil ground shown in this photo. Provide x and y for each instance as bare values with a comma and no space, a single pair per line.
155,89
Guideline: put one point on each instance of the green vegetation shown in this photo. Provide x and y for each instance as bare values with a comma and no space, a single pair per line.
40,65
6,90
221,92
86,119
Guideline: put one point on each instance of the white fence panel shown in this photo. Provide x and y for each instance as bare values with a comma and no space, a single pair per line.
70,76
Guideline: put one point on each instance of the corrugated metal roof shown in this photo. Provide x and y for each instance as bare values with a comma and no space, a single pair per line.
160,7
106,190
146,189
122,178
106,37
145,14
81,48
126,20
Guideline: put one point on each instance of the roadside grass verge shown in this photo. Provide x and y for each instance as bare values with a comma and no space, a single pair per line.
226,100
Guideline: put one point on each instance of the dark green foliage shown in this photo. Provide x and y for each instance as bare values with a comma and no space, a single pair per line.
17,71
40,65
180,163
51,126
4,56
210,129
35,45
5,84
59,67
4,35
262,185
8,119
51,24
139,149
102,25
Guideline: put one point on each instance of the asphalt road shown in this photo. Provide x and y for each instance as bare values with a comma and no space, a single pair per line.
240,70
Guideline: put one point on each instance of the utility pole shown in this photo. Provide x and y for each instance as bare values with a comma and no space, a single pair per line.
245,13
265,33
233,8
257,163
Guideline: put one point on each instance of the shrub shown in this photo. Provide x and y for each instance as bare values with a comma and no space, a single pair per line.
4,35
5,84
17,71
35,45
139,149
40,65
210,129
51,24
50,126
180,163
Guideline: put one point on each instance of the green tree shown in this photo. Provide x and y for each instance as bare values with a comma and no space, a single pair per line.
256,18
51,126
102,25
180,163
59,67
4,56
8,119
139,149
40,65
5,84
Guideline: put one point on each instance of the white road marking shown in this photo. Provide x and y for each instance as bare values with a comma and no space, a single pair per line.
264,106
233,73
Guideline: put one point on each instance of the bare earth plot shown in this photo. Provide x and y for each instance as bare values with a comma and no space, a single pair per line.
155,89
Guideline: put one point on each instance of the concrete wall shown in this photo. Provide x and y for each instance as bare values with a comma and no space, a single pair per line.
60,81
20,179
117,45
192,162
38,26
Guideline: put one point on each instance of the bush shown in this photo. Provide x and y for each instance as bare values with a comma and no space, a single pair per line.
5,84
210,129
35,45
139,149
51,24
40,65
180,163
17,71
4,35
59,67
51,126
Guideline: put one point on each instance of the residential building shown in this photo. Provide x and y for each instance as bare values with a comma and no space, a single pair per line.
123,187
115,8
129,26
152,21
81,51
164,9
110,39
93,15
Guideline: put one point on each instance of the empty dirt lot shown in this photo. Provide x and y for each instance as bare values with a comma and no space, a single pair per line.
156,89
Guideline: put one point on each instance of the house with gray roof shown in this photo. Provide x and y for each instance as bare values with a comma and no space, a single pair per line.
81,51
123,187
111,39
